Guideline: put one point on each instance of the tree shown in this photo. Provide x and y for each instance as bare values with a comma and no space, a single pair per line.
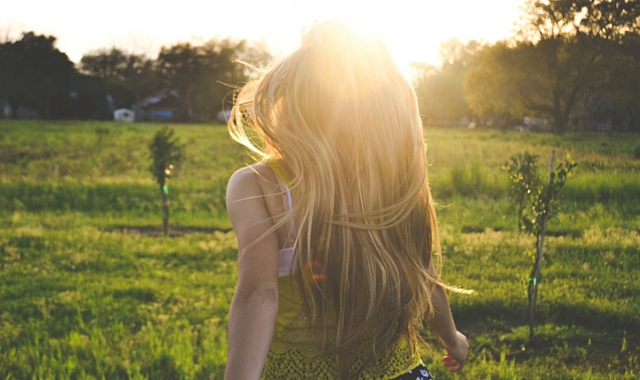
535,222
128,77
204,75
607,19
491,84
166,154
544,79
9,83
627,80
439,90
564,49
35,73
90,98
541,200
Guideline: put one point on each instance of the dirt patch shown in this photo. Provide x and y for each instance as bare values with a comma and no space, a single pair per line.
479,230
174,231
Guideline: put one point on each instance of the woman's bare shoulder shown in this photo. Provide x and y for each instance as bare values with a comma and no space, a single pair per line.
251,179
246,204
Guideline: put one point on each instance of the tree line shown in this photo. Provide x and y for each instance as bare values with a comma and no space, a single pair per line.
36,76
575,63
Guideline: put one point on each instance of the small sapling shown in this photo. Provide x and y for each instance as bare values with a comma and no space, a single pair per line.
166,154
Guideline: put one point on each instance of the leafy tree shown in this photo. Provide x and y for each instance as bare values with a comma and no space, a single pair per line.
204,75
166,154
544,79
128,77
541,200
440,90
9,83
535,223
491,82
610,19
34,73
565,49
90,98
622,89
607,19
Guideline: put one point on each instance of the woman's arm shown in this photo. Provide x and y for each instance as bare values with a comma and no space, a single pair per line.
255,303
442,323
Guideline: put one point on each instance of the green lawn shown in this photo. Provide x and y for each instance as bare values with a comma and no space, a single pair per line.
90,290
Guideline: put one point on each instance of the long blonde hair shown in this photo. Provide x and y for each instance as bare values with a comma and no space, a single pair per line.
343,123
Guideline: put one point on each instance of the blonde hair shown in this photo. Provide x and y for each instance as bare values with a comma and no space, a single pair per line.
343,123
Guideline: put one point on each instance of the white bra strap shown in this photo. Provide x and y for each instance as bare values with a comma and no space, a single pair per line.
289,201
288,196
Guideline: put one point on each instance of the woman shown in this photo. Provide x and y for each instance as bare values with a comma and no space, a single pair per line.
335,223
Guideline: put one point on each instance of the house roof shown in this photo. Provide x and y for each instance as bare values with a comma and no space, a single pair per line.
160,99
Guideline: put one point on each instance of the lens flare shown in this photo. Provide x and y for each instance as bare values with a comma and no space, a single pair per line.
315,270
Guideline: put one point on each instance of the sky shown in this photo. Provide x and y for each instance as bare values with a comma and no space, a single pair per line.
412,29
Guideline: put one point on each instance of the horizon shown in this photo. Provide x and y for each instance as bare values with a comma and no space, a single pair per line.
413,31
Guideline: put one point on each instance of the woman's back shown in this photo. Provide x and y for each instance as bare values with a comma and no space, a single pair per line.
341,127
294,351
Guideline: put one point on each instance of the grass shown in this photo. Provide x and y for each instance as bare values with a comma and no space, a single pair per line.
87,293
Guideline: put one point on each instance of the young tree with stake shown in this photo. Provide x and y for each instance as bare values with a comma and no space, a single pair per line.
534,217
166,153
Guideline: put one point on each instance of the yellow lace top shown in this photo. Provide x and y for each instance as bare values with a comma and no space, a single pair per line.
294,347
294,351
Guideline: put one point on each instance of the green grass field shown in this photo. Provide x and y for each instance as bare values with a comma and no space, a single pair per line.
90,290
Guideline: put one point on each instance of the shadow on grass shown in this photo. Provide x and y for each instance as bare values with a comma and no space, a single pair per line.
469,229
174,231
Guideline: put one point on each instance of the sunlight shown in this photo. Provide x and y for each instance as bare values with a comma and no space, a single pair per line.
392,24
398,44
412,30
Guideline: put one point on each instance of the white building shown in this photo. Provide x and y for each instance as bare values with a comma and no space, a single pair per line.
124,114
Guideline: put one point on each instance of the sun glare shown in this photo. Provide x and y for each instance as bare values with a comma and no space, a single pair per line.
412,30
371,27
403,33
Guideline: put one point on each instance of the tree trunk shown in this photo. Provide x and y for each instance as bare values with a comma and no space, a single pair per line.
534,279
165,211
568,107
557,112
3,105
634,119
523,196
